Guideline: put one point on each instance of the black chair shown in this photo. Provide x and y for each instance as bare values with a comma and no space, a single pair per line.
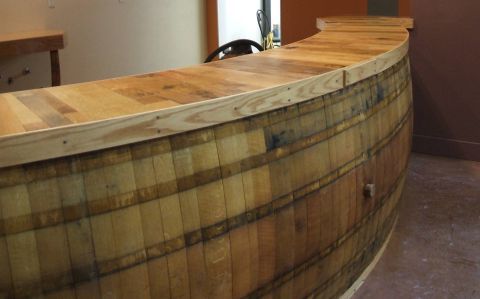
235,48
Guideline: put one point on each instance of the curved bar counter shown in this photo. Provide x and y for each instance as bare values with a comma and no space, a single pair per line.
240,178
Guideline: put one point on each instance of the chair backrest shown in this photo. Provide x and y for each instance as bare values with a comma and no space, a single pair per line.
235,48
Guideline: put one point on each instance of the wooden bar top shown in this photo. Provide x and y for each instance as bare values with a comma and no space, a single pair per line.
21,43
55,122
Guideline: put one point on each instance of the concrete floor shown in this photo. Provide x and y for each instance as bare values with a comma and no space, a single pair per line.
434,251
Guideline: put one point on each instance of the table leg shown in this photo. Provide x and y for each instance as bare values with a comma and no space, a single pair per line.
55,67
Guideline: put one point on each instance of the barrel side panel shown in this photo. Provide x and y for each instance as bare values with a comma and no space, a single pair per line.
270,205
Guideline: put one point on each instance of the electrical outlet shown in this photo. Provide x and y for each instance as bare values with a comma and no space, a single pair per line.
51,3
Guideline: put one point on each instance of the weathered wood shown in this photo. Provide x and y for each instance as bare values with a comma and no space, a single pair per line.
269,205
145,107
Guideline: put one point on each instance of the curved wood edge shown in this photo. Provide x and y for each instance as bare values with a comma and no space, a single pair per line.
361,279
75,139
407,23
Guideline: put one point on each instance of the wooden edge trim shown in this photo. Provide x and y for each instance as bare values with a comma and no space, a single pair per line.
321,24
361,279
81,138
406,22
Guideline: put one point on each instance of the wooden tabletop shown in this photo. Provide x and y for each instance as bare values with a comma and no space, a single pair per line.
20,43
70,119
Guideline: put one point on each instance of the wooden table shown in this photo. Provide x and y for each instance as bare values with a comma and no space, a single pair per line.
22,43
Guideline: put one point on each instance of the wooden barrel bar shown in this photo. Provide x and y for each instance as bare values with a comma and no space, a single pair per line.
285,186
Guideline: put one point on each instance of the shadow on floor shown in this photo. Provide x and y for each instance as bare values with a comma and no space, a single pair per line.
434,251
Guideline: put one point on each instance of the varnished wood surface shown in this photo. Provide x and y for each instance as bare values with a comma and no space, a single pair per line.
55,122
31,42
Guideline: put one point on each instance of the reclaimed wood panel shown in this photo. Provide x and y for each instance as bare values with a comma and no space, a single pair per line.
271,204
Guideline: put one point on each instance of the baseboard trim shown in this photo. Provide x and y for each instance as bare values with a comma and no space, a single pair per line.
446,147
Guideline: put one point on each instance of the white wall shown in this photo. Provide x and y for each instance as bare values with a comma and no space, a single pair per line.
237,19
276,13
106,38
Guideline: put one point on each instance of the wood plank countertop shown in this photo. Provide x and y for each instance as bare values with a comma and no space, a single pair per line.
71,119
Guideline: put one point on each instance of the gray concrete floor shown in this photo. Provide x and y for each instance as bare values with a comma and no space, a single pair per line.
434,251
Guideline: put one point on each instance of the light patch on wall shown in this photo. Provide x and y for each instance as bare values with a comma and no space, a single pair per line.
238,20
105,39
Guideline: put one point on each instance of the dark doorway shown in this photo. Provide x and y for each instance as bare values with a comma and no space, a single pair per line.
383,7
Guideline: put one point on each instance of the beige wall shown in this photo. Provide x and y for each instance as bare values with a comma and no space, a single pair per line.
106,38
